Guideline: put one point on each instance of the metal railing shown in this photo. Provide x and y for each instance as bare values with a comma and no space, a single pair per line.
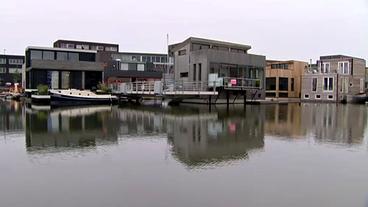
242,83
160,87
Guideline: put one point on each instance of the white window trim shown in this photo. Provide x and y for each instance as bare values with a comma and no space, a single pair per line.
324,67
316,85
315,96
333,85
342,69
306,97
328,97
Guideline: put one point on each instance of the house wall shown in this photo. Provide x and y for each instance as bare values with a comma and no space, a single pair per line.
295,70
344,84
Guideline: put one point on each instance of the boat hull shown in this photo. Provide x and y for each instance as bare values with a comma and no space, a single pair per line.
65,100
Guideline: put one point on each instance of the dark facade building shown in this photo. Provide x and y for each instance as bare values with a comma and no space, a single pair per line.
130,67
104,50
83,45
10,69
61,68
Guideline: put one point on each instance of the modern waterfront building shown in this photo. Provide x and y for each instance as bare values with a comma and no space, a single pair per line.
61,68
204,60
10,69
283,78
131,67
337,78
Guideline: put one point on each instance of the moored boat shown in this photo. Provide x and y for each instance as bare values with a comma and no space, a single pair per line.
80,97
40,99
359,99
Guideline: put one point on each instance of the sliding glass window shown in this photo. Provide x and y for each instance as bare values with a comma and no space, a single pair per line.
48,55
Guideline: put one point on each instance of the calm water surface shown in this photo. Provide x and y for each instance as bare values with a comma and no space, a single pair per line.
268,155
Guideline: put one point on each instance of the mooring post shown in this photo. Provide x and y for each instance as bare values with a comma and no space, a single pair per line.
227,99
245,98
209,102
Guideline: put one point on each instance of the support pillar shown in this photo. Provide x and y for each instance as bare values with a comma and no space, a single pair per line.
227,100
83,80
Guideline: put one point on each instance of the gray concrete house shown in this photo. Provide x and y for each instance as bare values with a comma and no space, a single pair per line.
336,78
227,64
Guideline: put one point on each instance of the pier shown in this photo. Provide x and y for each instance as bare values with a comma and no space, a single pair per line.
208,92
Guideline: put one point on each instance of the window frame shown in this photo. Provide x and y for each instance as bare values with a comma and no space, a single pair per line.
327,89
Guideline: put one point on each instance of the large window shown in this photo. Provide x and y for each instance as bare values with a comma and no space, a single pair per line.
48,55
280,66
271,84
314,84
114,49
65,80
200,71
132,66
15,61
140,67
62,56
194,72
36,55
124,66
2,61
73,56
2,70
344,67
328,84
283,84
325,67
90,57
15,70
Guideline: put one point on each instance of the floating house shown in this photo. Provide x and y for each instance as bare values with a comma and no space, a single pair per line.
336,78
61,68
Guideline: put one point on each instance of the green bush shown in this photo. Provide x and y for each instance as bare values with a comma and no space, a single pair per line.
103,88
42,89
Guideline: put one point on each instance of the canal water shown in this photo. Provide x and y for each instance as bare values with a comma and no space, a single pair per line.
260,155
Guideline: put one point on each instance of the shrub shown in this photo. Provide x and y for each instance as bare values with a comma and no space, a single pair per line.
103,88
42,89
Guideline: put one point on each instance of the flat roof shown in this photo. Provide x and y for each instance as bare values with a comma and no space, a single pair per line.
213,42
284,61
10,56
59,49
85,42
140,53
338,56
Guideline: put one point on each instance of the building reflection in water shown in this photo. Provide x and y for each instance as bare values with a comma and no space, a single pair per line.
11,118
216,138
196,136
334,123
70,128
284,121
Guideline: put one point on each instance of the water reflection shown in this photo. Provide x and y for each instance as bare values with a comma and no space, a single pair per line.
284,121
196,136
341,124
325,123
70,128
217,138
11,118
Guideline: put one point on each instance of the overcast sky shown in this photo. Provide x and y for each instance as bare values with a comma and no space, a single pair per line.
278,29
